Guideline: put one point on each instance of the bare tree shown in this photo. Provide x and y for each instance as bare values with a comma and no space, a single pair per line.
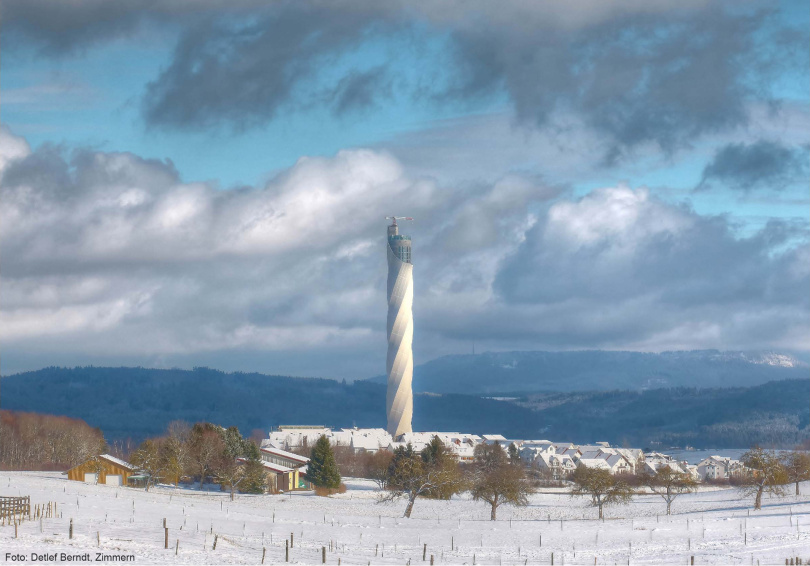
96,466
151,459
669,484
206,450
46,442
231,472
797,467
767,474
602,486
122,449
178,447
497,479
410,476
377,466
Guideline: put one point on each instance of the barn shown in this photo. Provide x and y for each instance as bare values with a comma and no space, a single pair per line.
103,469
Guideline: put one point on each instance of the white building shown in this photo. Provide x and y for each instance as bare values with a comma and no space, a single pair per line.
305,437
296,437
460,444
719,467
614,463
560,466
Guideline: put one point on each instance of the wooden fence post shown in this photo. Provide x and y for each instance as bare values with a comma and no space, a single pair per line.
165,537
71,528
286,551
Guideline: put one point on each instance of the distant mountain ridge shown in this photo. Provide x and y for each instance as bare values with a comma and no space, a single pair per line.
599,370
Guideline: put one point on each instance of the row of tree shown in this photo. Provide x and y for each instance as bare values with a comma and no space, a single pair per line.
202,451
766,472
32,441
498,476
205,450
434,472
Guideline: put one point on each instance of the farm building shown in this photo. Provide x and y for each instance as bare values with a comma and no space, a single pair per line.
286,471
103,469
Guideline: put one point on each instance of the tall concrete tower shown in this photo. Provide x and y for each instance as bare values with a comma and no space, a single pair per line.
399,400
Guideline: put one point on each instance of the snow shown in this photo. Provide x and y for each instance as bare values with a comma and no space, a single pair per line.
284,454
714,525
125,465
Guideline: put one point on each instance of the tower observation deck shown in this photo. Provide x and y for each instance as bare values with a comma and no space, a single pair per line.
399,398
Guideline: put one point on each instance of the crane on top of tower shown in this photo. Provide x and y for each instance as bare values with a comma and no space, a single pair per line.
395,218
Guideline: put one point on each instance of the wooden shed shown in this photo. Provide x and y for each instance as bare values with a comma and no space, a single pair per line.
103,469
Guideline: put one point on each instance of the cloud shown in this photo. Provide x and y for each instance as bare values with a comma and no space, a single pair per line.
269,59
626,269
111,257
655,73
360,89
12,147
763,164
663,77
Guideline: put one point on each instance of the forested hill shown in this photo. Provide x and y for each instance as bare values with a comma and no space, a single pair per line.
139,402
598,370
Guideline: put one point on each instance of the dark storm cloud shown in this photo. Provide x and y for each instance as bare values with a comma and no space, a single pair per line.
763,164
61,27
242,75
58,28
360,90
635,78
658,73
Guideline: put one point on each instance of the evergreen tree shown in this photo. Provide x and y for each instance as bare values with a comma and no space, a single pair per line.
436,455
434,452
514,454
323,470
255,477
242,456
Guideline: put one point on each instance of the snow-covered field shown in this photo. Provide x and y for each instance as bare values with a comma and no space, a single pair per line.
716,527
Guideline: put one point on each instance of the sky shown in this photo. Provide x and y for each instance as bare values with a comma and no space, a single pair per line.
205,183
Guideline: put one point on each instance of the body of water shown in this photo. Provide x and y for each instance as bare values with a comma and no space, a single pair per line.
696,456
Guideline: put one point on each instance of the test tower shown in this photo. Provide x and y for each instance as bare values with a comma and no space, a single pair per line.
399,400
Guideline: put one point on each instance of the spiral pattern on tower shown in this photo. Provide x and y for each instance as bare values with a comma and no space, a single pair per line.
399,399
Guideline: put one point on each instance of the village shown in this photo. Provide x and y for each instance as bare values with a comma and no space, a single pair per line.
284,456
553,460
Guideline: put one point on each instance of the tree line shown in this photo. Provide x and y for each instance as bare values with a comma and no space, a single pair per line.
200,452
32,441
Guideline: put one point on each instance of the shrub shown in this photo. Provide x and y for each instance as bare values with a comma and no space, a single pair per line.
327,491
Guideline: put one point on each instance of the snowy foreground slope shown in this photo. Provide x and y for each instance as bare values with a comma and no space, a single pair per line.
716,527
